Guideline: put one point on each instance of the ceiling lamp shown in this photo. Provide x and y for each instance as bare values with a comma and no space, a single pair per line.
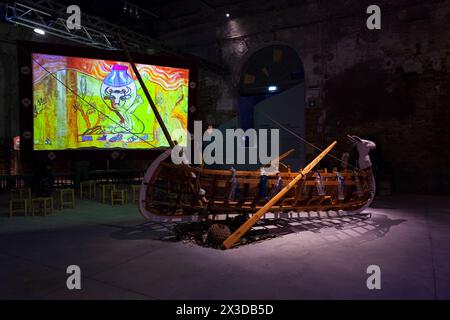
39,31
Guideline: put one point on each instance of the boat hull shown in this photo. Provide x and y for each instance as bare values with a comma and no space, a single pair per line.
179,193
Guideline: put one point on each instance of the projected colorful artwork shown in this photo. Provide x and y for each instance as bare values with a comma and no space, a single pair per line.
88,103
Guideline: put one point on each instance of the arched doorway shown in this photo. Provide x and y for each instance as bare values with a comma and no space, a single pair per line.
271,88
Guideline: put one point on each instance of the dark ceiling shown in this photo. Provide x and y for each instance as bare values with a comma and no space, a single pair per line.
156,16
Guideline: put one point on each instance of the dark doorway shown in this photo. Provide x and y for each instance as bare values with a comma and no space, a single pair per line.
272,88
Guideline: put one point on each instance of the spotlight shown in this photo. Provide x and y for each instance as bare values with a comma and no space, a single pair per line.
272,88
39,31
227,15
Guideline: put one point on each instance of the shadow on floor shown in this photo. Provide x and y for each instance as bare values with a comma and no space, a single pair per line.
148,230
358,229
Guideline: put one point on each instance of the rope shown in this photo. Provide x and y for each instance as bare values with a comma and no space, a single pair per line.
306,141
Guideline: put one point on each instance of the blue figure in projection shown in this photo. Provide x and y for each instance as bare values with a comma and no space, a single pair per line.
119,94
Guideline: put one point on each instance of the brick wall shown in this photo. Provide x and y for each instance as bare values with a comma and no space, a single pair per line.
391,85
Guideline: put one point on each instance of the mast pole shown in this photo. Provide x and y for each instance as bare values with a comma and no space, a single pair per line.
147,94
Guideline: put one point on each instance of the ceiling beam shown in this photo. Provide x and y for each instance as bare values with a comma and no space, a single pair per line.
51,17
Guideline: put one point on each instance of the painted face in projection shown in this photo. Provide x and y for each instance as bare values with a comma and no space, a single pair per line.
118,89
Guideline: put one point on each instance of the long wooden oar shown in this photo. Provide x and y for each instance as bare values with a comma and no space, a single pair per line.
233,238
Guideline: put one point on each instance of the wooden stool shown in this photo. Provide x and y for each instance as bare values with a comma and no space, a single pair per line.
66,197
118,196
87,188
18,205
45,202
135,189
105,189
21,193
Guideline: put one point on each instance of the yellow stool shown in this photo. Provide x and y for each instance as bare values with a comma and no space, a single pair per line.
18,205
105,189
42,202
118,196
87,188
21,193
66,197
135,189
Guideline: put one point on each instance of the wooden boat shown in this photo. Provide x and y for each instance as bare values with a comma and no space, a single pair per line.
172,192
183,193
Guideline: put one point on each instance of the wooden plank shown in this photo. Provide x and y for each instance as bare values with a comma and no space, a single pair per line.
233,238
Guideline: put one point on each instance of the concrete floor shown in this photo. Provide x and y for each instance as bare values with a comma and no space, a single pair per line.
121,257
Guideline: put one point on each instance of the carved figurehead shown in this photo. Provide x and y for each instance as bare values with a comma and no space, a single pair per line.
364,147
364,163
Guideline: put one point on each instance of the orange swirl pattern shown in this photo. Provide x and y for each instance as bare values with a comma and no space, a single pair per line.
168,78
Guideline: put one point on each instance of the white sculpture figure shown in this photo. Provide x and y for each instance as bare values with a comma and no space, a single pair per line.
364,147
234,185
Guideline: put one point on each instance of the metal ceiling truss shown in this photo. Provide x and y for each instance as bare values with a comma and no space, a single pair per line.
51,17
